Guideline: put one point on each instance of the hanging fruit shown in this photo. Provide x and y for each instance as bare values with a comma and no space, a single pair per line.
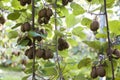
2,20
94,25
93,72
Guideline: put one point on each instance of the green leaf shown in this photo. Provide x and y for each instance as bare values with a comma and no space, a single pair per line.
78,32
49,64
25,78
13,16
58,33
93,44
49,71
100,35
16,4
71,20
64,11
77,9
86,22
12,34
84,63
63,53
34,34
17,25
115,26
72,42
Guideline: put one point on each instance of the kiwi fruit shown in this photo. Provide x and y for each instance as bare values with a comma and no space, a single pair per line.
49,12
62,44
28,1
27,26
40,53
42,13
101,71
30,53
40,20
93,73
46,20
117,53
64,2
22,2
2,20
94,25
70,0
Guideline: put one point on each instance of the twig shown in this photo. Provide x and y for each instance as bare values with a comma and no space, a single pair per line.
55,17
96,13
109,42
33,66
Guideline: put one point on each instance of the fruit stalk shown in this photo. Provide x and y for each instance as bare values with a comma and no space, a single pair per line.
109,43
55,17
33,66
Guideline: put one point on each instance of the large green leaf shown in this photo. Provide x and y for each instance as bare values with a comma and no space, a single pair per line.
84,63
93,44
100,35
77,9
17,25
115,26
78,32
13,16
16,4
64,11
12,34
49,71
86,22
71,20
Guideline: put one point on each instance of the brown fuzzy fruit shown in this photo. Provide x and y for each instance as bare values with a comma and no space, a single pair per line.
22,2
94,25
49,12
24,61
2,20
30,53
46,20
64,2
62,44
28,1
70,0
27,26
117,53
101,71
40,53
93,73
42,13
22,28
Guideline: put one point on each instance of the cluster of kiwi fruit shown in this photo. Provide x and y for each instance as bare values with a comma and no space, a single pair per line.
115,52
98,71
25,27
40,53
40,31
44,15
44,53
2,20
94,26
65,2
62,44
24,2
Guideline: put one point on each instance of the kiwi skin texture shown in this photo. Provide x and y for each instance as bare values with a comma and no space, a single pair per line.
94,25
93,73
2,20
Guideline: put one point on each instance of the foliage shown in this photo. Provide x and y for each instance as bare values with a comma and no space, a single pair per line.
73,22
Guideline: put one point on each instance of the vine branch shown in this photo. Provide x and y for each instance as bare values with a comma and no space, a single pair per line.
109,42
55,17
33,65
